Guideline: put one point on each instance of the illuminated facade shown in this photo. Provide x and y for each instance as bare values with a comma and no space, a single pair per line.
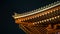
45,20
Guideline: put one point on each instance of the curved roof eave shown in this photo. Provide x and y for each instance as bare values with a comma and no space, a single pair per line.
40,10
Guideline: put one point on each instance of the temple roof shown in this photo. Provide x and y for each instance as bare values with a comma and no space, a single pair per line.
37,10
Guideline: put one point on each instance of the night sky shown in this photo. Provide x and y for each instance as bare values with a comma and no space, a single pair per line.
8,7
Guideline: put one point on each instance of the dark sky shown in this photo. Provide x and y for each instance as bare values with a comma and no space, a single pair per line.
8,26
